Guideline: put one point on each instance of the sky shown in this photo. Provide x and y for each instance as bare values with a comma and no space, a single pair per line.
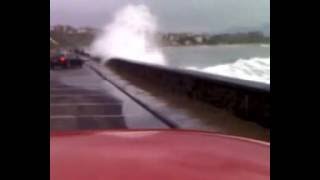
172,15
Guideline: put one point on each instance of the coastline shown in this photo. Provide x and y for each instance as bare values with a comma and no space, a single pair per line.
217,45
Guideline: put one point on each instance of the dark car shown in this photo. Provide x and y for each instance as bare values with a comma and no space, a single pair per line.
65,59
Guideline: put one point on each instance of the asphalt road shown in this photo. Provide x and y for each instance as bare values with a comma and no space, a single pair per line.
81,100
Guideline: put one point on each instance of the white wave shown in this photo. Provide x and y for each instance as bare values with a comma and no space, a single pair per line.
191,68
265,45
253,69
130,36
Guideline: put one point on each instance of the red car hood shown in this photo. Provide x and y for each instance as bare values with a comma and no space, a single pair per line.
153,155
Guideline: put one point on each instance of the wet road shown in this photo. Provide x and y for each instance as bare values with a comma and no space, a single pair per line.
81,100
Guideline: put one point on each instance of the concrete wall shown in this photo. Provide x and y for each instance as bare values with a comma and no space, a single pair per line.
245,99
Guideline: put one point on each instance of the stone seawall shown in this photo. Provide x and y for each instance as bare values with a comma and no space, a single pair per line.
245,99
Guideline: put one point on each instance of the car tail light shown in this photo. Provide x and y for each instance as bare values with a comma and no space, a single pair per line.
62,59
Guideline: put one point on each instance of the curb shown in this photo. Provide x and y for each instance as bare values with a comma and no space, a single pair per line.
162,118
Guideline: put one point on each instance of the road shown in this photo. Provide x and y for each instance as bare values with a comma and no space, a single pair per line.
81,100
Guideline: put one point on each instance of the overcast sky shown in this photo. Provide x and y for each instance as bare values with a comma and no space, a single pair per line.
172,15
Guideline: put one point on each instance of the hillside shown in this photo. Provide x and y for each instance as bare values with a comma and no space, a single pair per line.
70,37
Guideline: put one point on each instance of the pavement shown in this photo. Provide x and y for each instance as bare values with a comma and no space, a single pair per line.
81,100
95,98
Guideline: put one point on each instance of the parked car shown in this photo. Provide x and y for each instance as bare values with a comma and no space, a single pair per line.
65,59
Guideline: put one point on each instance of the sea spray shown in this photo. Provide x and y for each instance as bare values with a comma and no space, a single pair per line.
253,69
131,35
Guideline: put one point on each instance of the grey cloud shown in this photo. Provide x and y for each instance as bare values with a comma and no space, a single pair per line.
172,15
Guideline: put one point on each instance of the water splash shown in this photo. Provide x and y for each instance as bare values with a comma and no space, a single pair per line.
131,35
253,69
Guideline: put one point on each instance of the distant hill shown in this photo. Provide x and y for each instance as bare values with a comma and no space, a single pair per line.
70,37
264,28
67,36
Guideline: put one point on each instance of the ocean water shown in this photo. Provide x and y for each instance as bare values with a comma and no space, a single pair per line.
249,62
130,35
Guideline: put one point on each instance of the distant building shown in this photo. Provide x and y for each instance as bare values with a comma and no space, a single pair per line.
87,30
82,30
187,42
199,39
53,41
172,38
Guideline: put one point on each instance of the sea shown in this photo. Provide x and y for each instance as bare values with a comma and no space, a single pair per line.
249,62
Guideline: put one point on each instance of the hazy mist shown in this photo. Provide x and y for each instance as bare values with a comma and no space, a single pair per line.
172,15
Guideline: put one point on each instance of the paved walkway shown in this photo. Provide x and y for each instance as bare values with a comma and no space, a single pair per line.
81,100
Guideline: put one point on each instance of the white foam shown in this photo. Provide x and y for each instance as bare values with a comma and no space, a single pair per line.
253,69
130,36
265,45
191,68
